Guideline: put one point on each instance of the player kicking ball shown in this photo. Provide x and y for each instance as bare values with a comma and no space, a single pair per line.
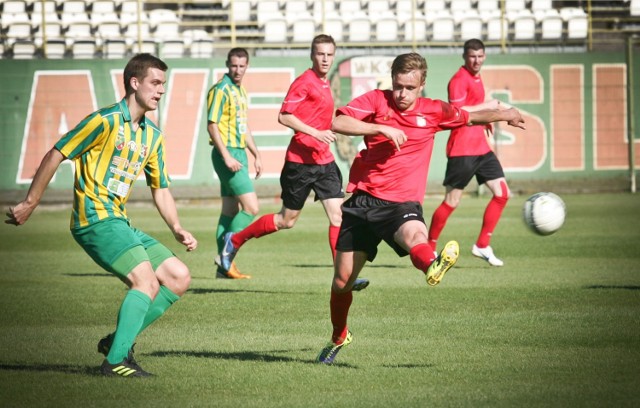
388,180
110,148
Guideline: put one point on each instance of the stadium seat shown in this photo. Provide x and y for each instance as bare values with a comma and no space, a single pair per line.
48,12
13,15
114,48
329,11
386,30
443,28
51,30
379,10
404,10
134,31
432,6
460,6
514,5
634,7
147,46
24,49
487,7
524,26
101,11
470,26
268,10
108,30
303,30
83,49
54,49
541,5
335,27
240,11
275,30
18,31
172,49
129,13
359,29
350,9
415,30
202,48
72,12
550,23
576,21
496,27
295,10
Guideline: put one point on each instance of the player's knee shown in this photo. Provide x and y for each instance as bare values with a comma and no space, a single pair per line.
181,278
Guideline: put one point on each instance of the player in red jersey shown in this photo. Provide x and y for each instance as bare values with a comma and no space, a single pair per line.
469,154
388,181
309,163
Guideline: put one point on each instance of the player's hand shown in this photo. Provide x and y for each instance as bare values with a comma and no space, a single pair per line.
185,238
397,136
19,214
232,164
326,136
258,165
516,119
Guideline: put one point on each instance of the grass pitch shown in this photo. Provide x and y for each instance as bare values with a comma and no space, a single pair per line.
557,326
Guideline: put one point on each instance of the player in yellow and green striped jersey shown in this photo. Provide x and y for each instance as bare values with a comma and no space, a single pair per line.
230,136
110,149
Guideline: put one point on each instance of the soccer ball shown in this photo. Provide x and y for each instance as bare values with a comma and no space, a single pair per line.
544,213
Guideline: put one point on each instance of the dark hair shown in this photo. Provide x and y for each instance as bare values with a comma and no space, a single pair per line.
237,52
473,44
138,66
405,63
322,39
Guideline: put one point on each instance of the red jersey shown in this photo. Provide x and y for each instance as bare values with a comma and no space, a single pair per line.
466,89
380,169
309,99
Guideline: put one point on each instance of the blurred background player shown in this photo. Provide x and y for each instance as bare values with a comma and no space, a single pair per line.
309,163
388,180
230,136
109,149
469,154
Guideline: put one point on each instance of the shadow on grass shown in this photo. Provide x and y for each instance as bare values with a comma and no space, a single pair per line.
268,357
625,287
368,265
60,368
203,291
90,275
408,365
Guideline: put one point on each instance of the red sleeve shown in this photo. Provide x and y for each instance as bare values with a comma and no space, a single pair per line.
295,96
452,116
363,107
458,91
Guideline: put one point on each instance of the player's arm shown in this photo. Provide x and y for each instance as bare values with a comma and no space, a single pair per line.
490,104
511,116
19,214
253,148
216,138
292,121
354,127
166,206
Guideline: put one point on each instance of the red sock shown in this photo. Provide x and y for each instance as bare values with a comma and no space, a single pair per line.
422,256
339,305
438,221
264,225
490,220
333,239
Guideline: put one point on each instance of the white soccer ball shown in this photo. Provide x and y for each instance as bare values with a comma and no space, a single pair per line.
544,213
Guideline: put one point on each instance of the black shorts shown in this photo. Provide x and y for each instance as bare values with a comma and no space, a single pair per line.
367,220
461,169
297,180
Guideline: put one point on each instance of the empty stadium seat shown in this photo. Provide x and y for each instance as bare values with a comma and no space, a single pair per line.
54,49
386,29
550,23
275,30
24,49
172,49
576,21
18,31
415,29
443,28
83,49
334,27
470,26
202,48
240,11
295,10
114,48
359,29
303,30
634,7
268,10
129,13
496,28
524,25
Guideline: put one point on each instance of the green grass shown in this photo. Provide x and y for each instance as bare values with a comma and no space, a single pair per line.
557,326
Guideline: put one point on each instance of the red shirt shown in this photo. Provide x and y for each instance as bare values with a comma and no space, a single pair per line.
309,99
380,169
466,89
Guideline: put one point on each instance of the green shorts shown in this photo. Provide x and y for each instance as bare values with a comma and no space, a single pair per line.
118,247
232,183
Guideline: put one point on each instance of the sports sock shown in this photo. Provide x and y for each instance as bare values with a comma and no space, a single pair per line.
264,225
241,221
223,226
490,220
130,317
333,239
339,305
163,301
438,221
422,256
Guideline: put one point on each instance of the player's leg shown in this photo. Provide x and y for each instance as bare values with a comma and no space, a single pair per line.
459,172
491,174
329,190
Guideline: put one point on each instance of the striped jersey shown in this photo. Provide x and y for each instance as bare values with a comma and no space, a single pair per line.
108,157
227,106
